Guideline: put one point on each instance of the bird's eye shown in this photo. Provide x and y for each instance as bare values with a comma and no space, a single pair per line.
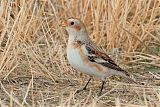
72,23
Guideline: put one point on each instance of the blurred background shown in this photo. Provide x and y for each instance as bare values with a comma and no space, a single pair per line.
33,66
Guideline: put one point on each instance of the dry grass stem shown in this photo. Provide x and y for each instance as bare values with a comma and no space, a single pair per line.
33,66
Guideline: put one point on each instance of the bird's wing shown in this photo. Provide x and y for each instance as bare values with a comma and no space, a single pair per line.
97,56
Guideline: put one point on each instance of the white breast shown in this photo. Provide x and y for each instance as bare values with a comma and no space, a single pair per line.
76,61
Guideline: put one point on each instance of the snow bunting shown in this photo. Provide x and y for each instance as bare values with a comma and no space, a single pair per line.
86,57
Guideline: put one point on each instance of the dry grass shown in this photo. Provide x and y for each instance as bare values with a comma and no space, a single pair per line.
33,66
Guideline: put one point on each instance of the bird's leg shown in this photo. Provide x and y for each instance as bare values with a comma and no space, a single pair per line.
84,88
100,92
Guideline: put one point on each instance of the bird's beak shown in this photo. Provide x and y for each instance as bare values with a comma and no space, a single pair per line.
64,24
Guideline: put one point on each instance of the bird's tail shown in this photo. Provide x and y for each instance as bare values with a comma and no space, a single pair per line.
131,80
126,76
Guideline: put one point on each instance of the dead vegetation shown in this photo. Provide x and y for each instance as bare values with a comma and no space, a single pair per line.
33,66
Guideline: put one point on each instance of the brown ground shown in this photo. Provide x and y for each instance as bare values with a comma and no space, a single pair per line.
33,66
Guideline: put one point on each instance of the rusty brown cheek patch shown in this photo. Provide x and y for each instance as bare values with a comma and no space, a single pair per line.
77,28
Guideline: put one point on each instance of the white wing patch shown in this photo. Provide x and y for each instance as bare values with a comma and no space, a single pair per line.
100,60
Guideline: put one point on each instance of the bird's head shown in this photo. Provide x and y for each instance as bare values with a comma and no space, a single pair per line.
74,27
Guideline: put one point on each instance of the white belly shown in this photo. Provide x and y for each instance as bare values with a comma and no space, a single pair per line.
76,61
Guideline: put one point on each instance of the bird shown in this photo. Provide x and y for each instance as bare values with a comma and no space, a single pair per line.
85,56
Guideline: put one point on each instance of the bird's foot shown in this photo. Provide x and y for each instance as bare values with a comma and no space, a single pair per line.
80,90
99,94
